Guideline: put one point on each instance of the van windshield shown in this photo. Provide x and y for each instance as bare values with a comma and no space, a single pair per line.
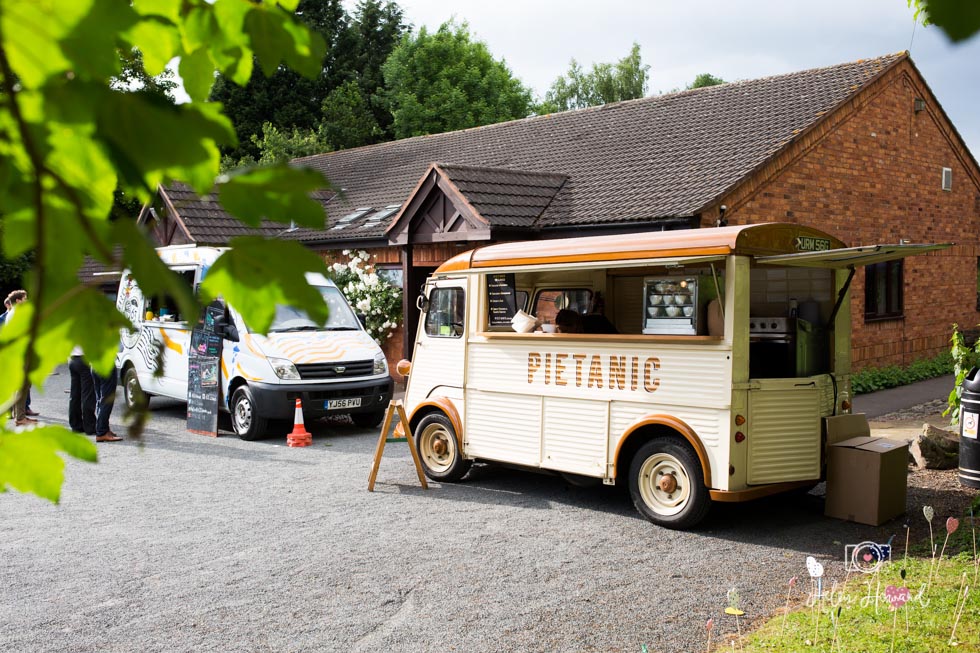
341,318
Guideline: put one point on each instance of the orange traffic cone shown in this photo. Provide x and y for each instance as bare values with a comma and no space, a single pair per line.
300,437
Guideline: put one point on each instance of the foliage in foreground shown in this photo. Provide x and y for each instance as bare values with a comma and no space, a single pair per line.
71,136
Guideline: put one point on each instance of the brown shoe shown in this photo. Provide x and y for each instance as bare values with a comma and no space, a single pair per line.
31,413
25,421
108,437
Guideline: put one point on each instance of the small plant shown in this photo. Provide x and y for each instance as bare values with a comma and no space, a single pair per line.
375,298
964,359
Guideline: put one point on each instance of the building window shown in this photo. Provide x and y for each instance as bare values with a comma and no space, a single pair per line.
883,291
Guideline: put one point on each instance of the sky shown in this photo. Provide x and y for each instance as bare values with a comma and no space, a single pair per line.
734,40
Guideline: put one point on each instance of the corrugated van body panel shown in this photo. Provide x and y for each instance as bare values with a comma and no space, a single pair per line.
784,434
575,435
503,426
574,390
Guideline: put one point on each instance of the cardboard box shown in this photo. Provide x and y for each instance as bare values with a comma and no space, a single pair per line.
866,479
845,427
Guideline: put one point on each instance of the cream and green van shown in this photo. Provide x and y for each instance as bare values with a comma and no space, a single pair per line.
695,365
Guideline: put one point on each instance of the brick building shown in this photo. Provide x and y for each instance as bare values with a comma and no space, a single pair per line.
861,150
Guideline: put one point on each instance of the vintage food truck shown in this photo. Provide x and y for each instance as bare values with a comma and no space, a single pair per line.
334,369
700,369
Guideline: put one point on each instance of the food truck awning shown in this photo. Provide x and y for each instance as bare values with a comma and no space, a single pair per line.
850,257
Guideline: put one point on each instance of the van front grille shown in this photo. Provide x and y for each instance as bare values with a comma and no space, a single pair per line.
337,370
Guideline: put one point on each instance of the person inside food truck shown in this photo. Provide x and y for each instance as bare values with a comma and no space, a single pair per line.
568,321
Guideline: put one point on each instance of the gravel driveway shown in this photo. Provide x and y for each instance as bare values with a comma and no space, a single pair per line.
196,544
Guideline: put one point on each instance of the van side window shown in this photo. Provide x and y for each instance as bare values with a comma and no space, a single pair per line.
164,308
547,303
447,307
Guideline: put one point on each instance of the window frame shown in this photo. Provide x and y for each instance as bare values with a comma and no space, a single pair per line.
881,277
430,312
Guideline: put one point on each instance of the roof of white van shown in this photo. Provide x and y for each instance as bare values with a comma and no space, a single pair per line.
756,239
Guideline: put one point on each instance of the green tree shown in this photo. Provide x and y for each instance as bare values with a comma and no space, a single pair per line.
959,20
279,146
348,120
705,79
69,138
443,81
356,48
625,80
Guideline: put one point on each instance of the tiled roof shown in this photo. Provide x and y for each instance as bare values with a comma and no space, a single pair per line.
654,158
505,198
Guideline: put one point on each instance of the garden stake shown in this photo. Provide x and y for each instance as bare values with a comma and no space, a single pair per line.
906,561
976,560
952,636
792,581
836,621
894,623
708,626
733,609
951,525
928,513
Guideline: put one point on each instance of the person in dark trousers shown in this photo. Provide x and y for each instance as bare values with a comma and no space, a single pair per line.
81,398
105,395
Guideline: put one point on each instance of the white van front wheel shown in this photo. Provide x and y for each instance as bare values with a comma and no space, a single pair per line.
667,484
245,422
439,449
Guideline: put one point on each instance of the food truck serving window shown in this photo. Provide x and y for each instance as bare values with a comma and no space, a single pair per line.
547,303
447,307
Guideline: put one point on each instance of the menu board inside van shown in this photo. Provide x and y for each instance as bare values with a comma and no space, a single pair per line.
503,299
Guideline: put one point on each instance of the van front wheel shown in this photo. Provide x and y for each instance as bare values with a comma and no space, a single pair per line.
244,421
667,484
439,449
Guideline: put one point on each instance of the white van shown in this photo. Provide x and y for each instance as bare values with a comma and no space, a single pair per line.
334,369
699,366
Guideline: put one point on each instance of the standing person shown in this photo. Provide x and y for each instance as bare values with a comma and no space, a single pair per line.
81,400
6,311
105,395
19,409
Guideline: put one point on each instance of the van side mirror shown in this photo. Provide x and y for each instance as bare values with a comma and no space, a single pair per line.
227,330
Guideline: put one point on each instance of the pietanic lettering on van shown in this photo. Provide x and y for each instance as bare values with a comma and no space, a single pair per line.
610,371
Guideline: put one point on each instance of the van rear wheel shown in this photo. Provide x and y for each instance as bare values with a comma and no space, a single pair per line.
244,420
439,449
667,484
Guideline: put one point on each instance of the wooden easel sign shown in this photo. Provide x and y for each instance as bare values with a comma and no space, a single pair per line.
394,407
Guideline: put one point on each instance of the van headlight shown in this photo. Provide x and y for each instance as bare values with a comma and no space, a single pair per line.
380,364
284,369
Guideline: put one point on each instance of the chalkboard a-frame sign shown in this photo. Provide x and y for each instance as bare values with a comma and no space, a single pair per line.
204,373
502,298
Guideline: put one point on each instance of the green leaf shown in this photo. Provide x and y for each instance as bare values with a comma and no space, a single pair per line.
157,140
29,460
166,8
197,71
255,275
153,277
32,33
158,41
91,45
960,20
13,350
306,55
288,5
278,193
270,40
87,318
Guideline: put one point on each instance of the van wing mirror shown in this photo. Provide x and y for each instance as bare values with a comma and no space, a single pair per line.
227,330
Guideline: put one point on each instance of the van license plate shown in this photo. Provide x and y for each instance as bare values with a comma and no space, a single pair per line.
339,404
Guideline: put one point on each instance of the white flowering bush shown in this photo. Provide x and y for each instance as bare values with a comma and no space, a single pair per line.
370,295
